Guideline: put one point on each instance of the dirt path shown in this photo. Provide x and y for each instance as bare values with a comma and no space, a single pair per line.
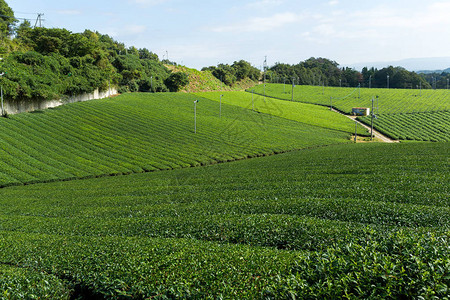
376,134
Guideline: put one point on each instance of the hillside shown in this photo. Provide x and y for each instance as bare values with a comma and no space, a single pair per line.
300,112
405,114
142,132
204,81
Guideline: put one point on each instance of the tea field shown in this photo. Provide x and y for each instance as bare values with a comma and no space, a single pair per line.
403,114
389,100
343,221
426,126
300,112
141,133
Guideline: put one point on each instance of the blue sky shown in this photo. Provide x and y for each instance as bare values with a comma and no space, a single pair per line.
203,33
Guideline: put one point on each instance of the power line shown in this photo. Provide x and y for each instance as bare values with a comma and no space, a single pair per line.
24,13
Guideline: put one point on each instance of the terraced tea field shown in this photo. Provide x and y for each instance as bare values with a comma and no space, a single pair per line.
299,112
344,221
140,133
389,100
396,109
431,126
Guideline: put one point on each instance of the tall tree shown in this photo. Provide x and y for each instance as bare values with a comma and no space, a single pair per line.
7,19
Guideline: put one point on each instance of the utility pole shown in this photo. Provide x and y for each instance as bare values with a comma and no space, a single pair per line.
220,107
370,81
3,110
265,69
264,92
253,104
1,91
38,19
151,83
388,81
359,91
377,104
293,84
356,129
371,123
195,116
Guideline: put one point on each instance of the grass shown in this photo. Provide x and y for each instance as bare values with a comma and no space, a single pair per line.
331,222
299,112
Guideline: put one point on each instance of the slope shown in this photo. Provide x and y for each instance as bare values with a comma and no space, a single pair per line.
299,112
139,133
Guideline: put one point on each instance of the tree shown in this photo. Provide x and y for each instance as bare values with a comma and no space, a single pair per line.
176,81
7,19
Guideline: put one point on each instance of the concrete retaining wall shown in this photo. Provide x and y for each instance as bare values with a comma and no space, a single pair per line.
19,106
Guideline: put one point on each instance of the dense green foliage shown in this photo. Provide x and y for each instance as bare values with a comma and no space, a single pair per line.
55,62
7,20
24,283
333,222
230,74
299,112
142,132
438,80
176,81
322,71
428,126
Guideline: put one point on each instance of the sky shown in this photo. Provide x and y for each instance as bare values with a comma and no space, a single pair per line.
203,33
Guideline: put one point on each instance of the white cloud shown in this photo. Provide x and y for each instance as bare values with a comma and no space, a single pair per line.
265,3
262,24
126,32
333,2
135,29
69,12
148,2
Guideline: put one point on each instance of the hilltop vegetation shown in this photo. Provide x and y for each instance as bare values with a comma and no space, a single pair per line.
205,81
52,63
322,71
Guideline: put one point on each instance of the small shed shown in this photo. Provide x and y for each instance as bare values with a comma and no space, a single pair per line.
360,111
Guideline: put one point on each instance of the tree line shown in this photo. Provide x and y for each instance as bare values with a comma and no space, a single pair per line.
43,63
322,71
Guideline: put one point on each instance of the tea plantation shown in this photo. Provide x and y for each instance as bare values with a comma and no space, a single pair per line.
140,133
405,114
300,112
326,219
344,221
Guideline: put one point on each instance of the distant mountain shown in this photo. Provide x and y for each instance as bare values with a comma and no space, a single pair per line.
411,64
434,71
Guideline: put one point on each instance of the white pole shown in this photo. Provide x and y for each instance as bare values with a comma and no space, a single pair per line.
220,108
195,116
3,111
